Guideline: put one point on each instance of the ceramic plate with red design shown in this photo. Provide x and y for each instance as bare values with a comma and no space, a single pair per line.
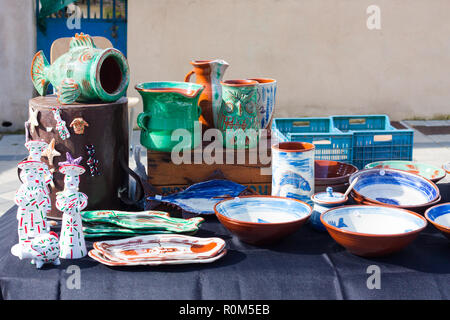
98,256
160,247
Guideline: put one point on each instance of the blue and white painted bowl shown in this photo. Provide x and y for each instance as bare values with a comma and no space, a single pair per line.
439,216
372,230
262,219
396,188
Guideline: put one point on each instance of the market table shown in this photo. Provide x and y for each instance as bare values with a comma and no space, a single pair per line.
306,265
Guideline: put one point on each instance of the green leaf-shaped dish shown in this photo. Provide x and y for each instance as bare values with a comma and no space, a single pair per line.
145,220
95,230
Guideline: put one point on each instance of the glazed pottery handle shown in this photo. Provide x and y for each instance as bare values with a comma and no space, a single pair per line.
139,186
187,77
142,120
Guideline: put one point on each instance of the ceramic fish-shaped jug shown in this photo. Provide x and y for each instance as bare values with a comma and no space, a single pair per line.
84,73
209,73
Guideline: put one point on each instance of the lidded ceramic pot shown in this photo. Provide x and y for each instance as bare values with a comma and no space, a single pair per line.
324,201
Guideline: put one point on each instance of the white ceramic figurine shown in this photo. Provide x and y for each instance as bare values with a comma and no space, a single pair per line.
42,249
71,202
32,200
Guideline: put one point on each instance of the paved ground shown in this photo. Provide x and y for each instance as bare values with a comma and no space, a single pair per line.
432,149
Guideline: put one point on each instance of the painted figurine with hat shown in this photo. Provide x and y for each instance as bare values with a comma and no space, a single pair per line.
71,202
32,200
36,149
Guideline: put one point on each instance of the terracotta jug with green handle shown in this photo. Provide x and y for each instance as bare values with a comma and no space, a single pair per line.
169,106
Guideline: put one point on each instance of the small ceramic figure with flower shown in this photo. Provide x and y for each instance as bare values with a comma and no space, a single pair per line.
71,202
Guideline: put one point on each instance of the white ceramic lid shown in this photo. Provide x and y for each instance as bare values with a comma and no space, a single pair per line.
329,197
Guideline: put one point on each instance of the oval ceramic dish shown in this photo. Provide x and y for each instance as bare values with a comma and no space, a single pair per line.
329,173
98,256
439,216
372,230
422,169
160,247
262,219
396,188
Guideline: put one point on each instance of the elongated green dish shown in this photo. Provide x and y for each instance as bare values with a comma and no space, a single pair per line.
142,221
107,230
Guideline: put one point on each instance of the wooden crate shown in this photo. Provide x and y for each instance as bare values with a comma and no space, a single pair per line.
167,177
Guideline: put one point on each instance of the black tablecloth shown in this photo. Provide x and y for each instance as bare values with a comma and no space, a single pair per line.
306,265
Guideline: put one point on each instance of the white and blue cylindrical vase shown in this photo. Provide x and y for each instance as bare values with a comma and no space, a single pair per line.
267,90
293,170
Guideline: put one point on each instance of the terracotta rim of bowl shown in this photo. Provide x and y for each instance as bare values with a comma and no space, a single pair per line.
239,83
434,223
294,146
438,178
263,80
262,224
354,192
327,225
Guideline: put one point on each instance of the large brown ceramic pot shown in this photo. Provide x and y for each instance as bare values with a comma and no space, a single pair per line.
103,125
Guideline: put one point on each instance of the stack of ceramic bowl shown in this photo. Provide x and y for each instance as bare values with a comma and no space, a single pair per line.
152,250
394,188
332,174
262,219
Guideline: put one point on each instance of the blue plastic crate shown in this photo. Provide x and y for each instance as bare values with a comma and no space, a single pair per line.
330,143
358,139
374,139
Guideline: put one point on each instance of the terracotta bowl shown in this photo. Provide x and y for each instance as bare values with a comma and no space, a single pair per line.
439,216
394,188
329,173
372,231
262,219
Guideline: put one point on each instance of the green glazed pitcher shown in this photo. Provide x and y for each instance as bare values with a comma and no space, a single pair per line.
169,106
